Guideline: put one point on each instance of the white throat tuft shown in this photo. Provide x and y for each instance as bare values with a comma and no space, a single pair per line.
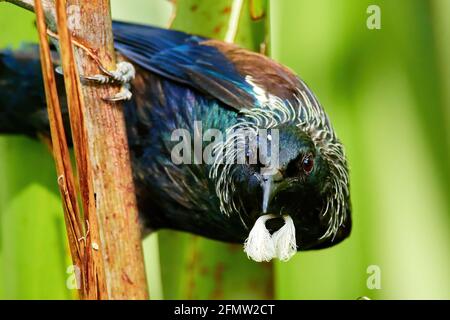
262,246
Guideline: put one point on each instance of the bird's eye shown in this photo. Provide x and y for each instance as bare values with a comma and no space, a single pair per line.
308,163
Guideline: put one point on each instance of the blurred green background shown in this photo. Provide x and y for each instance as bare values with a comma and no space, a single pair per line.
387,92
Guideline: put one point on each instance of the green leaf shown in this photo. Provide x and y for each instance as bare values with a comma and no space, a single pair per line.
197,268
383,93
239,21
34,256
33,250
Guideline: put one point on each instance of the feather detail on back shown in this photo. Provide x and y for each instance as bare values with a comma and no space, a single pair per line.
213,67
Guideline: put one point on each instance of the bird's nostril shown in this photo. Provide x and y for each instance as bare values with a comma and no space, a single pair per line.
274,224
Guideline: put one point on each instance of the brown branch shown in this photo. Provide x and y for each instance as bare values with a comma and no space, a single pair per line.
60,150
107,187
113,266
92,268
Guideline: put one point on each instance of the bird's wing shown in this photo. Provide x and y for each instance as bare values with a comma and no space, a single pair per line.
221,70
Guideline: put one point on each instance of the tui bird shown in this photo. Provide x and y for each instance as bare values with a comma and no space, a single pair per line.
191,83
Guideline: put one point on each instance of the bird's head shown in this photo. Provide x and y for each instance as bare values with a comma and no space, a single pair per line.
295,179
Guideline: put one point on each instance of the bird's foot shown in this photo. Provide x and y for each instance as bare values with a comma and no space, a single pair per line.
123,95
123,75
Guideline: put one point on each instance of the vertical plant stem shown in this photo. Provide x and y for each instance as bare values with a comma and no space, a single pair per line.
102,154
61,154
113,263
93,267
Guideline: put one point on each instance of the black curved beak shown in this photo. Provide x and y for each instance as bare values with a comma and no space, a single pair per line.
269,186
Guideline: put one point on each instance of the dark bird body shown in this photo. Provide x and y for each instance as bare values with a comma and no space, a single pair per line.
180,79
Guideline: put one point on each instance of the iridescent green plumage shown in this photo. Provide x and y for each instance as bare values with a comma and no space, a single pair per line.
182,79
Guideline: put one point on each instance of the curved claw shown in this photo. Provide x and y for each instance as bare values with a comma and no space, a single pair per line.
98,78
123,95
59,70
123,74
